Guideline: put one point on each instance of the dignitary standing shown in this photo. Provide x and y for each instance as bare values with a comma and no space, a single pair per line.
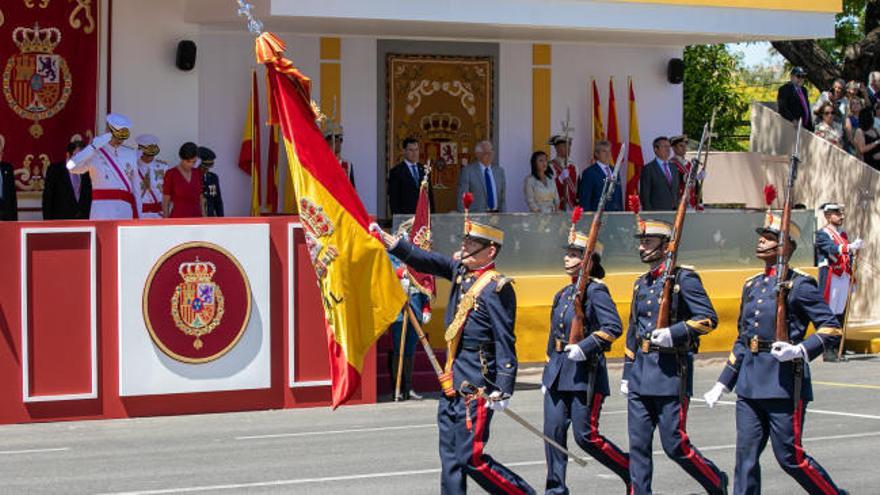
564,172
66,196
541,192
593,178
763,369
211,189
481,315
112,168
405,179
660,180
182,189
8,198
658,367
484,180
575,379
793,99
150,173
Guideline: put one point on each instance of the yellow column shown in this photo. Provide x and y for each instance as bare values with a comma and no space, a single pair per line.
541,96
331,78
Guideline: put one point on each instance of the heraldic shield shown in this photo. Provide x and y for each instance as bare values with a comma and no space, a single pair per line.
196,302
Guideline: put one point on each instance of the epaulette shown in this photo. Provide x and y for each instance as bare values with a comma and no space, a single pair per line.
752,278
801,273
688,267
501,281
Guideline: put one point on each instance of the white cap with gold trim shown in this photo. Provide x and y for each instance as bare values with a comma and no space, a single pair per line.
483,232
654,228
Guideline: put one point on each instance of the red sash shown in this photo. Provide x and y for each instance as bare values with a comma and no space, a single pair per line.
565,187
842,264
152,208
127,196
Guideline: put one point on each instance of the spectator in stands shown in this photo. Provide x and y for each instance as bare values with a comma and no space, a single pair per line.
866,138
67,196
873,87
836,96
658,183
826,127
851,124
484,180
793,99
541,193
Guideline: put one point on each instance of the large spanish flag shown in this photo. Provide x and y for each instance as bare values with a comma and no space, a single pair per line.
635,160
249,155
361,293
598,127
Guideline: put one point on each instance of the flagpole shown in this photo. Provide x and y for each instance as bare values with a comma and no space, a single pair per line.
400,358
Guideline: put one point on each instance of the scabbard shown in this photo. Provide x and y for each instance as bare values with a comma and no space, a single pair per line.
681,357
798,382
592,370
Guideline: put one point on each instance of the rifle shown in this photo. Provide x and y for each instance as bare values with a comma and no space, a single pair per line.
698,187
576,333
677,228
782,284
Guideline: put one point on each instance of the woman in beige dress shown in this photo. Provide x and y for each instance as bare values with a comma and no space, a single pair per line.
541,193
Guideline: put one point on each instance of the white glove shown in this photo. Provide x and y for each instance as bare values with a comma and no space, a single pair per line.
426,317
495,402
404,282
856,245
564,174
389,240
714,395
662,337
543,390
624,387
102,140
783,351
575,353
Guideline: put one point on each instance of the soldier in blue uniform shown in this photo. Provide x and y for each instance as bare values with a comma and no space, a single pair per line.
211,184
575,380
481,312
658,369
763,370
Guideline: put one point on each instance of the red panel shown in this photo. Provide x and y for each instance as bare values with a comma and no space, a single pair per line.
311,357
59,314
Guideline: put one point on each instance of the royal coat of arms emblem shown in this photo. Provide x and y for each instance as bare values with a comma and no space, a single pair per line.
197,303
36,81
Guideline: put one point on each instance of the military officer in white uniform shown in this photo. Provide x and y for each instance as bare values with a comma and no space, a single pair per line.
151,171
112,167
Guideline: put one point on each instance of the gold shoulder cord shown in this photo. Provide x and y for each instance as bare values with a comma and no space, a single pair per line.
465,306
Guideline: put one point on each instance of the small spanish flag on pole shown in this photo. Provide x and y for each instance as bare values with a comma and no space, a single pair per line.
272,171
249,156
613,131
598,127
360,291
635,160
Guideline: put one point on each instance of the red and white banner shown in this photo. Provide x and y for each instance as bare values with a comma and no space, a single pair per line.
49,59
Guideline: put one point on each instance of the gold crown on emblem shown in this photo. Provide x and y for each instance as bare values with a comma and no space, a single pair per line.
197,271
36,40
440,125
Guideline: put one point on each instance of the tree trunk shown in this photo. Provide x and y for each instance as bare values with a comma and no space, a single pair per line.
821,69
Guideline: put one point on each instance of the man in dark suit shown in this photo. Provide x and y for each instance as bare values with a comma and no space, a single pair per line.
405,179
793,99
593,181
8,200
658,184
66,196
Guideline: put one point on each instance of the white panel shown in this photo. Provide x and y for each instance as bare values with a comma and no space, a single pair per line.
515,119
93,314
359,116
143,368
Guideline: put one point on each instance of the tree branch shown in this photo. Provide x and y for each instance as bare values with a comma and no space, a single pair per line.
861,58
821,69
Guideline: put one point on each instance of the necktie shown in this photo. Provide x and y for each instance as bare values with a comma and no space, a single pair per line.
665,168
804,106
415,173
490,191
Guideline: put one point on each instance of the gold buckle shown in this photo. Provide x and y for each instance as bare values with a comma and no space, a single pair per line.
560,345
646,346
754,345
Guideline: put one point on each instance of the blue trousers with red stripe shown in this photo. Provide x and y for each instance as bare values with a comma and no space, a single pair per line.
562,409
461,450
758,420
644,414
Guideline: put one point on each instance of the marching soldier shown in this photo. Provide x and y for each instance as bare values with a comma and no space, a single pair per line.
564,172
762,370
112,167
150,173
658,369
211,191
575,380
481,312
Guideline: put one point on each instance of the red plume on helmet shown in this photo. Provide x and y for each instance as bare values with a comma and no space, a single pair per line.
576,215
769,194
467,199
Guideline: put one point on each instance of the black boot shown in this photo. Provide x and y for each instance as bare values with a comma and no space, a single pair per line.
393,359
406,387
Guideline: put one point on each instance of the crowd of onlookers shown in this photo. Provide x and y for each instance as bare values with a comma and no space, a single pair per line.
847,115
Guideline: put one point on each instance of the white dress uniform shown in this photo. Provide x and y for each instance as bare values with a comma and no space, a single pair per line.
150,177
113,171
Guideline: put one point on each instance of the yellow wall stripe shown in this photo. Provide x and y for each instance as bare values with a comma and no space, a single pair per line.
541,95
827,6
541,54
331,49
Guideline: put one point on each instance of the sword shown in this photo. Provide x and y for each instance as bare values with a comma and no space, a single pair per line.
852,279
469,389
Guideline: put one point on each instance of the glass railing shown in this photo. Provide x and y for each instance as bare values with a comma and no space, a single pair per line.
716,239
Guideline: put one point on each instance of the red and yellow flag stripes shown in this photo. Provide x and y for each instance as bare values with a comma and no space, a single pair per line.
635,160
613,131
598,127
249,156
360,291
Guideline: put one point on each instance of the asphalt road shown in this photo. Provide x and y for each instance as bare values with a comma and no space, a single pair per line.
391,448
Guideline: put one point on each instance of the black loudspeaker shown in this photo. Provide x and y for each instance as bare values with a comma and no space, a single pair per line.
675,71
186,55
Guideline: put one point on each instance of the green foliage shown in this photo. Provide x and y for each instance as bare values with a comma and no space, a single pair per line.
849,28
711,81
